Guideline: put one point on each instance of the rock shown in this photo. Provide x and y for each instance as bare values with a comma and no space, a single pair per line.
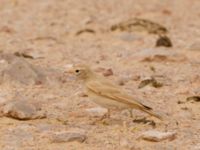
193,98
140,24
103,57
158,136
150,81
136,77
121,82
163,41
29,53
85,30
22,110
124,79
108,72
105,72
87,20
22,71
159,55
60,137
7,29
97,111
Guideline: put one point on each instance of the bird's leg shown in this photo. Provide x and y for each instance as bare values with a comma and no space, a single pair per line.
107,115
104,118
131,113
125,123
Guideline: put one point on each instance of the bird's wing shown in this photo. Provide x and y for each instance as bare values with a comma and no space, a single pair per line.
108,90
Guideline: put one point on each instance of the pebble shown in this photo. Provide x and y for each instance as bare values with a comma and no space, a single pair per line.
22,71
97,111
66,136
159,55
158,136
163,41
124,79
108,72
22,110
105,72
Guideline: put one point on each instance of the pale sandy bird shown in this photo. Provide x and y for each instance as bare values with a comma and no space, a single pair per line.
107,94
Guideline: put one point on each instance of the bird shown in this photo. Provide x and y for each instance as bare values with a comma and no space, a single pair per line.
107,94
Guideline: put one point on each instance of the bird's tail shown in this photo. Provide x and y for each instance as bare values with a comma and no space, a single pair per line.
150,111
153,114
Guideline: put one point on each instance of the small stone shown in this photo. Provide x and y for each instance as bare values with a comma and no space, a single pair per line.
108,72
86,30
105,72
158,136
60,137
159,55
193,98
121,82
163,41
87,20
136,77
97,111
22,71
150,81
7,29
103,57
22,110
124,79
29,53
139,24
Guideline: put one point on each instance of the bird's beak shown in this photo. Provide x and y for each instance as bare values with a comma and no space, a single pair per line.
69,69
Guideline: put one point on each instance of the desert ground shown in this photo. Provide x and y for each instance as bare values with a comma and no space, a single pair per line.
44,108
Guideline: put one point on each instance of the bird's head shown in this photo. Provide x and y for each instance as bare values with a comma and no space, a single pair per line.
80,71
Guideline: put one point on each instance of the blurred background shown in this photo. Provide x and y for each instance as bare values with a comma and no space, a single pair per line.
151,48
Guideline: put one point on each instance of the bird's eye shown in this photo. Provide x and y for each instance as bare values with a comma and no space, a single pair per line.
77,71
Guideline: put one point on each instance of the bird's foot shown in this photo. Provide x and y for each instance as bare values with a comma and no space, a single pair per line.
103,120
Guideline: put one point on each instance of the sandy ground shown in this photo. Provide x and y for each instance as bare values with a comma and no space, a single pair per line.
47,30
